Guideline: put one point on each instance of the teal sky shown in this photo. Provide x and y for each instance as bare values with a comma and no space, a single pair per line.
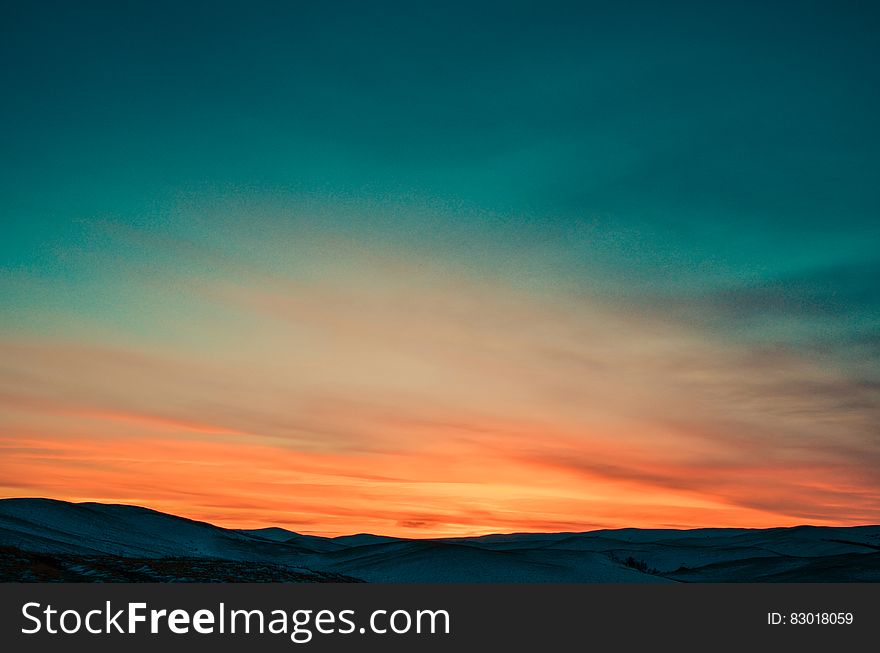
711,168
688,148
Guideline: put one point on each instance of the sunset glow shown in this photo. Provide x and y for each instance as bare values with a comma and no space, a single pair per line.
440,293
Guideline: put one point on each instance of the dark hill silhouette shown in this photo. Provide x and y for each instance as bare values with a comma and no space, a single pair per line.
46,539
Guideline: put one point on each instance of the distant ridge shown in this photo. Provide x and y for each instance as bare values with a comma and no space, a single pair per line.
47,539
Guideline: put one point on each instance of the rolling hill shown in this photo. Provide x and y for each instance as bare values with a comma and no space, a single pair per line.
50,540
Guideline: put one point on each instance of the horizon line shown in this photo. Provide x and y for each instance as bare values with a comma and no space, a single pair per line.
454,537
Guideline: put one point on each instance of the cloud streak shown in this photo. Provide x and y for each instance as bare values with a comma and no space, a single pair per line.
413,397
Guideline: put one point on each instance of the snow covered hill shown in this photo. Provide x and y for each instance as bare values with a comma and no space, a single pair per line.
92,541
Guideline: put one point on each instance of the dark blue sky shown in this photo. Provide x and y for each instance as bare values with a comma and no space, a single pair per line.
710,168
727,151
691,144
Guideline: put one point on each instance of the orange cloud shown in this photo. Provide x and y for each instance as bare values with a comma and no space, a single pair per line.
401,398
455,486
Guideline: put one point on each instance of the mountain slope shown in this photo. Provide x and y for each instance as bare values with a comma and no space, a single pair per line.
45,539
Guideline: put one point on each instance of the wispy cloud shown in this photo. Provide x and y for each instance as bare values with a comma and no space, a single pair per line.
411,396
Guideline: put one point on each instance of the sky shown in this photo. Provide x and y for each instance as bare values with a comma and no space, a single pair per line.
430,269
